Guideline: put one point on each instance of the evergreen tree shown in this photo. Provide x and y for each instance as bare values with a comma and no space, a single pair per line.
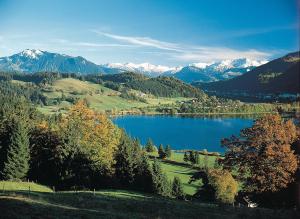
161,184
205,160
132,165
18,155
150,147
197,157
125,161
186,157
137,146
192,157
168,151
217,164
144,175
161,152
177,188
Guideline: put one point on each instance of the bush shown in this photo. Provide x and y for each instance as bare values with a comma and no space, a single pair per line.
225,186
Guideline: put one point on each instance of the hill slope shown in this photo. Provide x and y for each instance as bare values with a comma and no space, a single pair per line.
118,204
278,76
161,86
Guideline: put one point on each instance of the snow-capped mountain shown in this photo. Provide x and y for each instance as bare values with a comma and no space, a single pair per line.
31,60
226,69
144,68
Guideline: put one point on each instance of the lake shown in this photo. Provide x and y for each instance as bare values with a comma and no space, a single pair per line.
183,132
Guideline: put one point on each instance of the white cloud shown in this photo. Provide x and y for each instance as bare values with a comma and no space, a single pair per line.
208,54
137,46
189,53
87,44
141,41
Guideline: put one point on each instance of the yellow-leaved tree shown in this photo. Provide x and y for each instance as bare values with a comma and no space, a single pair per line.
92,134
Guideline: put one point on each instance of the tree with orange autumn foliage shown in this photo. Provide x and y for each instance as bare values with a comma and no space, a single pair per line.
262,155
76,150
91,133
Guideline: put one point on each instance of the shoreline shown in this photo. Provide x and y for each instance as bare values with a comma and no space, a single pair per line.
128,113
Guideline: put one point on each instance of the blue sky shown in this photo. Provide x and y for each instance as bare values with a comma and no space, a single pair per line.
165,32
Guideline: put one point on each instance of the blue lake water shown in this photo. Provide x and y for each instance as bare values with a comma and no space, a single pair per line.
183,132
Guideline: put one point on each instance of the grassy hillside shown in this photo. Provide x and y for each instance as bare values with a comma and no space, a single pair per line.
175,166
159,87
98,97
118,204
23,186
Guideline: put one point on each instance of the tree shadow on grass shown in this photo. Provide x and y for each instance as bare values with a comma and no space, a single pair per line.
19,204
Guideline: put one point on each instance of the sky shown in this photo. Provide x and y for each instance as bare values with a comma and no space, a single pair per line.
165,32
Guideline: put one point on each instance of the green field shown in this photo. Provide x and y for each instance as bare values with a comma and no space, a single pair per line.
98,97
23,186
114,204
184,173
175,166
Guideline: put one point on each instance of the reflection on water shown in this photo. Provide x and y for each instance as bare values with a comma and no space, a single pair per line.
183,132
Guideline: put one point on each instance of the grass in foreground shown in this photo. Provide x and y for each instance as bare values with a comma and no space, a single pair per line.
23,186
117,204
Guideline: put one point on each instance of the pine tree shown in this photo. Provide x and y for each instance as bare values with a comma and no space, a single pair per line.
197,157
161,185
125,163
150,147
168,151
177,188
186,157
205,160
137,146
143,178
18,155
161,152
132,165
192,157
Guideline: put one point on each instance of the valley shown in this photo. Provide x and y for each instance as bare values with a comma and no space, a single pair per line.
149,109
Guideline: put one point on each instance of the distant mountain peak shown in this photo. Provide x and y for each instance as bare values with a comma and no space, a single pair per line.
31,53
280,75
215,71
200,64
144,68
34,60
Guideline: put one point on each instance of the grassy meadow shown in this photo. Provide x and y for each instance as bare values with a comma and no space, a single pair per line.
98,97
175,166
43,203
23,186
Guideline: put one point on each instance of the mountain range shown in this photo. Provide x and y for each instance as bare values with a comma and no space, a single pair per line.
222,70
32,60
279,76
